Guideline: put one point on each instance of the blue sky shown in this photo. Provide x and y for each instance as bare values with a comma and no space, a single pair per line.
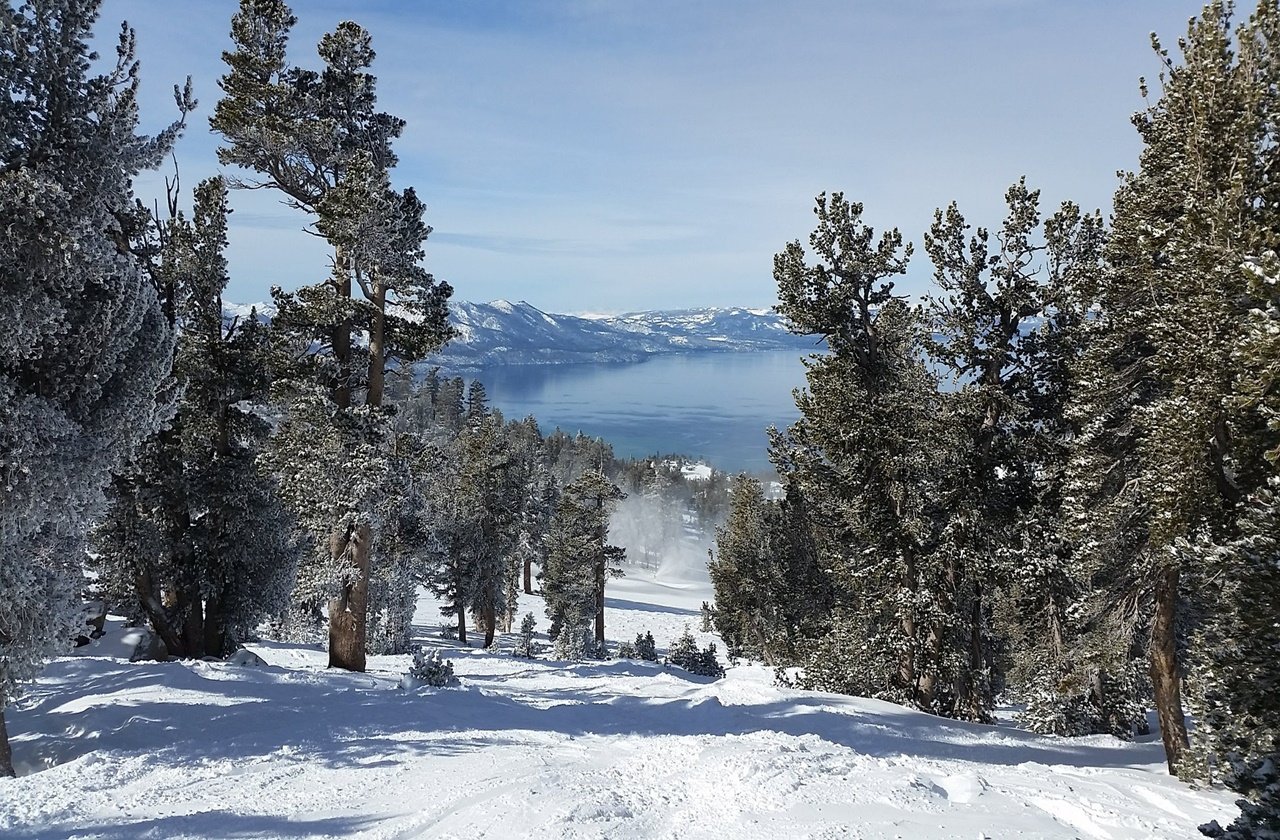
614,155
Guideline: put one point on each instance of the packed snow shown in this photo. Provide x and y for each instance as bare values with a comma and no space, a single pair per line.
539,748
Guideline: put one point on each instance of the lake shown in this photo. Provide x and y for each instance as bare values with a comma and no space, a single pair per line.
713,406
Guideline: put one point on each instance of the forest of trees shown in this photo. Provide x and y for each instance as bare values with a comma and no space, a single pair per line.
209,475
1051,481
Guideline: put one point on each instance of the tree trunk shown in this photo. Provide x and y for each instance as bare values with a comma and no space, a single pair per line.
193,625
489,618
215,634
528,575
349,610
6,754
1164,669
377,342
157,615
977,693
462,625
600,575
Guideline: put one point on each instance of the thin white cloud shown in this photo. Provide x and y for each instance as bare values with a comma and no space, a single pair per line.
624,155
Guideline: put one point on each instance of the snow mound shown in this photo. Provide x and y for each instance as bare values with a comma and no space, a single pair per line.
246,658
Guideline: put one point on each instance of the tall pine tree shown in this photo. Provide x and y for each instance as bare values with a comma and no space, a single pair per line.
865,457
197,540
1181,455
84,347
318,138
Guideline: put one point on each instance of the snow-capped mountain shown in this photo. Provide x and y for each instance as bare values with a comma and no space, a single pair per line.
501,332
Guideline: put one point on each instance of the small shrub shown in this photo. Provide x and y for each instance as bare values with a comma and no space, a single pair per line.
449,631
527,647
684,653
708,617
428,669
626,650
572,644
646,649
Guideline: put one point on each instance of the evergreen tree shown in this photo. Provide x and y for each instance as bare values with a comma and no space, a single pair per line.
865,454
744,576
318,138
999,328
196,538
404,546
683,652
85,346
472,511
579,560
491,497
1180,452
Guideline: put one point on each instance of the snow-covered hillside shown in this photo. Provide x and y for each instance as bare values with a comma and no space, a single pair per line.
501,332
544,749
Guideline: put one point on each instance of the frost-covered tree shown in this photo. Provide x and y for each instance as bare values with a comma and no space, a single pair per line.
683,652
865,456
526,646
84,346
744,576
490,496
769,592
317,137
1180,452
1004,327
472,512
579,559
196,539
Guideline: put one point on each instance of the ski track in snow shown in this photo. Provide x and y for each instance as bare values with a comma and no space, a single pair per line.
112,750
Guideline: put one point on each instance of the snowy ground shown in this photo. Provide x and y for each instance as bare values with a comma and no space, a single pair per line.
545,749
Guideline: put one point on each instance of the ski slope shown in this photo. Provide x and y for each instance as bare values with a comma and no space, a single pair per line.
545,749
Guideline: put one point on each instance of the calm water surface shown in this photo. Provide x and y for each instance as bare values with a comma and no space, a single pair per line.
714,406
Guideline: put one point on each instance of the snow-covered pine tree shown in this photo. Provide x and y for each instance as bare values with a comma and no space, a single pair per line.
318,138
472,512
526,474
744,576
770,592
428,669
405,544
537,501
526,647
579,560
1236,696
489,495
683,652
449,412
1181,454
449,572
646,647
865,453
996,330
196,539
84,346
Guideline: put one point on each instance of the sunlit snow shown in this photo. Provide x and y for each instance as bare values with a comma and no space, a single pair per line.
546,749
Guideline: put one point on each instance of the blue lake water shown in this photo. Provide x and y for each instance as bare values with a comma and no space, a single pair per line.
714,406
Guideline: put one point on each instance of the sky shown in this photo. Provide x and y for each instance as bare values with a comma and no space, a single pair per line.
620,155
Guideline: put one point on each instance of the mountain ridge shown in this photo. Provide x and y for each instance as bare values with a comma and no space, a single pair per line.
502,332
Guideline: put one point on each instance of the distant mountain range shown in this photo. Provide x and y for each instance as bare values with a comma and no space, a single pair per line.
505,333
501,332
